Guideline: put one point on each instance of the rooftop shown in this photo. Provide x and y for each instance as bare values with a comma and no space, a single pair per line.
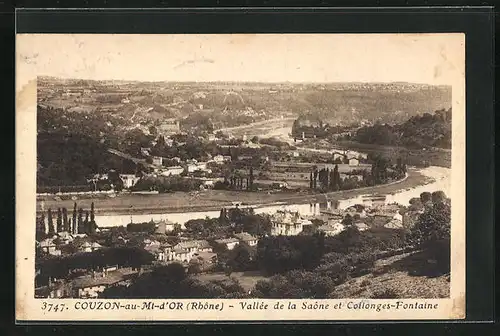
227,241
244,236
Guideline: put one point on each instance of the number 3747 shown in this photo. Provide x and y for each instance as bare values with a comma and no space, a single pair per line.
53,307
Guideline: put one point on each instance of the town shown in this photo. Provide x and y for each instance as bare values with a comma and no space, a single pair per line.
226,200
82,260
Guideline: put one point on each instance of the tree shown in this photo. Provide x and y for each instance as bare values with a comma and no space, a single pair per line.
80,226
425,197
40,227
50,222
75,226
438,197
432,233
251,178
92,214
65,220
336,178
241,258
348,220
59,227
86,225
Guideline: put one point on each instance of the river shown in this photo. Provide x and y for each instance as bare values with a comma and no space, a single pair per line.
441,181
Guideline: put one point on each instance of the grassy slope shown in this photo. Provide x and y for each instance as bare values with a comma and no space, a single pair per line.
409,276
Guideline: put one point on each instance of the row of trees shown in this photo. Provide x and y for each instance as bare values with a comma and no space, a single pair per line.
230,221
382,171
78,223
237,181
329,179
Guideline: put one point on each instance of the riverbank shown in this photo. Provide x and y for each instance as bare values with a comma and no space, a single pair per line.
213,200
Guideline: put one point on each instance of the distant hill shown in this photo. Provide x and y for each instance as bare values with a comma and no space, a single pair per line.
231,103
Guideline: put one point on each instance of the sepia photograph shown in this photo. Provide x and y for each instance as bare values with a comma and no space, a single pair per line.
250,167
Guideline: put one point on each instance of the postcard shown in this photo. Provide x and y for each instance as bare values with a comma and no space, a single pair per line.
240,177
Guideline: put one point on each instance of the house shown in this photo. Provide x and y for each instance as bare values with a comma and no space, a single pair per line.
164,226
64,237
218,159
245,158
180,255
205,259
247,238
169,127
288,223
157,160
87,246
331,229
338,156
192,167
145,151
361,226
203,246
227,158
49,247
151,243
129,180
156,250
353,162
90,286
172,171
190,245
230,243
394,224
57,289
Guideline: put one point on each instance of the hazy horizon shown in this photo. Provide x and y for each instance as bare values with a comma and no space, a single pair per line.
234,81
431,59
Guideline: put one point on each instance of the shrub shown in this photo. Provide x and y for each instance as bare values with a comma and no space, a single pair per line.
388,293
365,283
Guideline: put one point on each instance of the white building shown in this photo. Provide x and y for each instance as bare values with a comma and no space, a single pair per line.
129,180
332,229
361,226
192,167
247,238
353,162
172,171
157,160
288,223
218,159
230,243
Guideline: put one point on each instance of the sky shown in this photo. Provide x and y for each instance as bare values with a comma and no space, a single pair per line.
418,58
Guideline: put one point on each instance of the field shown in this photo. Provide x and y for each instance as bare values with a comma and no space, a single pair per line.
246,279
215,199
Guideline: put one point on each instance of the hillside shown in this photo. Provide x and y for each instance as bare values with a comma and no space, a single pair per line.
427,130
232,104
406,276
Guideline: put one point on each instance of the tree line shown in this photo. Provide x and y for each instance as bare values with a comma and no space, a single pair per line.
81,222
382,171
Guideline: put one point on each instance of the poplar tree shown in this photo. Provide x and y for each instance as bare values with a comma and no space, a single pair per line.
59,220
75,224
50,222
79,226
65,220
